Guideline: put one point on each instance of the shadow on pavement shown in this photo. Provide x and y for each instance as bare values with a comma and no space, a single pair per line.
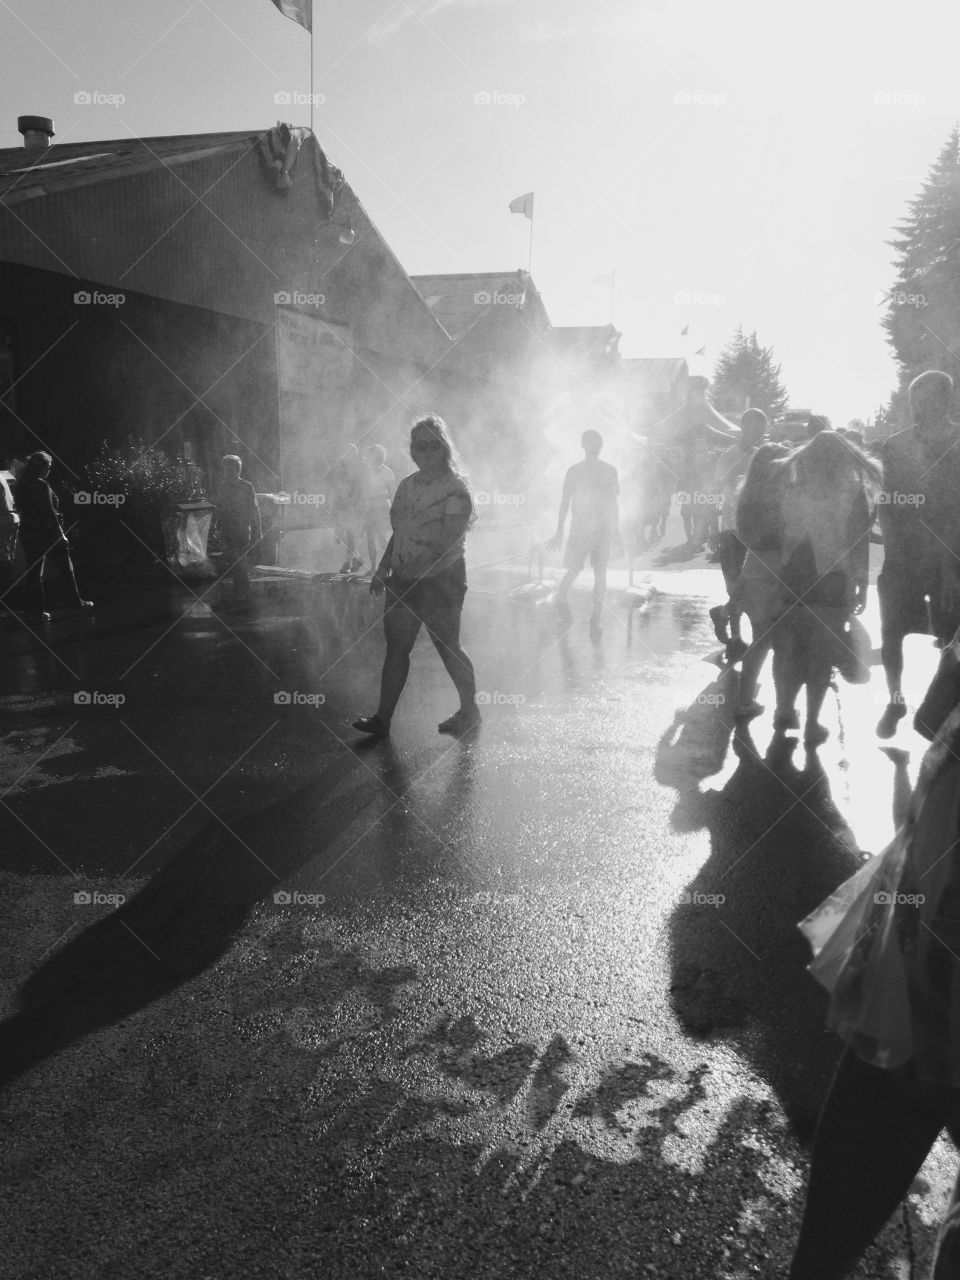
778,847
183,920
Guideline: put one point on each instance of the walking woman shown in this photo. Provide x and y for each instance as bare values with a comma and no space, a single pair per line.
424,575
828,505
42,538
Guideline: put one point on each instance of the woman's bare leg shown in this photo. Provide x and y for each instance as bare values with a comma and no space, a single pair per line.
401,627
445,634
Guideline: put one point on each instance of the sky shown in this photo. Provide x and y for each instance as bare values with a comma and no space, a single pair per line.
735,163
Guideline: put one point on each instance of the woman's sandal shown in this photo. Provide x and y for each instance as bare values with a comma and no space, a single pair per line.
459,722
372,725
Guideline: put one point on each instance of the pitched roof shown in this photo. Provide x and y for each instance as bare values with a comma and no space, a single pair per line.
459,301
24,175
655,375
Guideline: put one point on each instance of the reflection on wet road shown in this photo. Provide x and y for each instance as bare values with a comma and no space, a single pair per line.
529,1003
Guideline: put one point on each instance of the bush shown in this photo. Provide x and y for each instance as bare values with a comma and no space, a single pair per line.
151,483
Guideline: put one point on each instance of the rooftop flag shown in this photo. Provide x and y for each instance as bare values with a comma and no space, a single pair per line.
684,331
299,10
701,352
524,205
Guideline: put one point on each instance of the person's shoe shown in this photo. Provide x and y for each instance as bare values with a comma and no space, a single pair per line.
82,605
786,720
346,567
38,617
721,623
372,725
815,734
460,722
893,713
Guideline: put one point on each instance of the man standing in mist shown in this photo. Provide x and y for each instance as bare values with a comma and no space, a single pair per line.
590,490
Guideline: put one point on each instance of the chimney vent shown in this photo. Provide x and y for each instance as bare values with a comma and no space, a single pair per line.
37,132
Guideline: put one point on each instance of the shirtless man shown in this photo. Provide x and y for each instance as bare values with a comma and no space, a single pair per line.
590,490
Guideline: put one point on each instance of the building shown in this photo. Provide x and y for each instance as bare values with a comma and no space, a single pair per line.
213,293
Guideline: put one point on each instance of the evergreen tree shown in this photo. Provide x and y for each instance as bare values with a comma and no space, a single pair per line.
747,378
923,315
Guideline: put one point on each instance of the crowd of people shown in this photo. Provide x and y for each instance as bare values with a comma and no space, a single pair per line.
794,522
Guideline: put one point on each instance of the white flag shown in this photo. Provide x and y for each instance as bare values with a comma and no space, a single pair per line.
524,205
299,10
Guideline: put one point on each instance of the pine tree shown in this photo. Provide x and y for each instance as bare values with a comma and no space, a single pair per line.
923,315
747,378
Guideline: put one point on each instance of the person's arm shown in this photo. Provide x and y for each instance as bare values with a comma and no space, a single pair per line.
379,580
256,520
554,542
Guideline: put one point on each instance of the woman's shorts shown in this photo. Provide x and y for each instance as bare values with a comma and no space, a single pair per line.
434,601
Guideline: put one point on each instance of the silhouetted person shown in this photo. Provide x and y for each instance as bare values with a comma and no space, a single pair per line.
590,490
423,573
918,519
732,468
238,519
758,590
9,532
828,509
43,539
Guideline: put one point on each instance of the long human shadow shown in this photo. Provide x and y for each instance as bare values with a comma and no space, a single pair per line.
183,919
778,847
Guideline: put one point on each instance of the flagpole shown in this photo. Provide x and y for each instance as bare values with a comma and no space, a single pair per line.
613,289
313,100
530,254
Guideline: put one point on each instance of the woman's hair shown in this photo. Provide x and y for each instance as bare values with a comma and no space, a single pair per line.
828,459
37,462
439,433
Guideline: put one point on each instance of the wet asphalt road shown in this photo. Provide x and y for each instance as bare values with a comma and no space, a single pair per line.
528,1004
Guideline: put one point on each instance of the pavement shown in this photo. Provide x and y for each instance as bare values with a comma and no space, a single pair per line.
278,1002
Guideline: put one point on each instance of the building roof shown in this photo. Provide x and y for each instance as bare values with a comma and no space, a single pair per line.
24,175
459,301
655,375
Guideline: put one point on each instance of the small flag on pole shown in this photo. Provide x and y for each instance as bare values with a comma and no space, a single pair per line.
701,352
299,10
605,282
684,331
524,205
